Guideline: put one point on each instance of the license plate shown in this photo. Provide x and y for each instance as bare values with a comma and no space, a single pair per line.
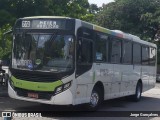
33,95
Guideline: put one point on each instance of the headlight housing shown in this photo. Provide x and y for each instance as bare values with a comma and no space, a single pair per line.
62,87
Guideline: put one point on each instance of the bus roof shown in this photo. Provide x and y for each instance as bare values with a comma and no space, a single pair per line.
123,35
48,17
134,38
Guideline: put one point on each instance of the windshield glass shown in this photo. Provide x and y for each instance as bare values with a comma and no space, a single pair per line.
43,52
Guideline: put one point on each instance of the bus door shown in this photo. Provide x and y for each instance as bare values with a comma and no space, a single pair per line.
84,69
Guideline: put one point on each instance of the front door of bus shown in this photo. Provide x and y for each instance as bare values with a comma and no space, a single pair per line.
83,68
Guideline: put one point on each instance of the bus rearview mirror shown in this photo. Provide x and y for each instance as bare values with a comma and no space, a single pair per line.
4,38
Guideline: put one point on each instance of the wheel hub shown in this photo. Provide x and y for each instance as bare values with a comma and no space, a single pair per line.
94,99
138,92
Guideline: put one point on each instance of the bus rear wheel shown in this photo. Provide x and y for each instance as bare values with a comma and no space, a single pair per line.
95,99
137,96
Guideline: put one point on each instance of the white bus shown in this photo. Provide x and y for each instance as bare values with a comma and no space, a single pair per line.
66,61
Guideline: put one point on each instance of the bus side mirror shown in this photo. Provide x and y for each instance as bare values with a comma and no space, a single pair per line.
4,38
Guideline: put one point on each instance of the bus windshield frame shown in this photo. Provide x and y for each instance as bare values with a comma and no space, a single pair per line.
31,52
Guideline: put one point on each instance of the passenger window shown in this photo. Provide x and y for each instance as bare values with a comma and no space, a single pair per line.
101,48
116,51
127,52
136,53
145,55
152,56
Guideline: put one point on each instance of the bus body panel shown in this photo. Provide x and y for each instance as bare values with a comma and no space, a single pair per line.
59,99
85,83
128,80
152,77
64,98
145,77
104,73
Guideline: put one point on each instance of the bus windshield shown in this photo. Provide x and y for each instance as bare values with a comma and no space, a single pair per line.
43,52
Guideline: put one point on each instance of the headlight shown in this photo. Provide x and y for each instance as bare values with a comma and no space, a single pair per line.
63,87
59,89
67,85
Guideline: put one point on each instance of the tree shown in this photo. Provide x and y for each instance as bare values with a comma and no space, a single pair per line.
23,8
94,9
5,53
139,17
10,10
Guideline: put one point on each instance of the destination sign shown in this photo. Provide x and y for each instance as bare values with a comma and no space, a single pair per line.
43,24
46,24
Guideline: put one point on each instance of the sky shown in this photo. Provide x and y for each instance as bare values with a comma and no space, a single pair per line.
99,2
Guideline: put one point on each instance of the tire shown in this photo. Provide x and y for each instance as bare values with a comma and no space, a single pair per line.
138,92
6,77
95,99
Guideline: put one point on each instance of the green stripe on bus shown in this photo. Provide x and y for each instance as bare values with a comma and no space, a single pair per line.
101,29
87,25
37,86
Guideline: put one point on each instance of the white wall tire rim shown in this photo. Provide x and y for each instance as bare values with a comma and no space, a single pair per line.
94,99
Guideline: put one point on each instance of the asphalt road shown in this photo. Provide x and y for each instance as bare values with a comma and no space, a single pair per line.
150,103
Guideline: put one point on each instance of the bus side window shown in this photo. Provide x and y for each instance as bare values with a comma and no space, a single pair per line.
116,51
136,53
84,51
127,52
152,56
145,55
101,46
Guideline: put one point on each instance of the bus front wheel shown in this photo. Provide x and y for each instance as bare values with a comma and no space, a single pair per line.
95,99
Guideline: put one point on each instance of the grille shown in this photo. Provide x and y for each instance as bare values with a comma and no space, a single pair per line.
41,95
33,76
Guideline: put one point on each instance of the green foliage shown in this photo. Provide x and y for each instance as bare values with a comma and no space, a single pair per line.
21,8
10,10
5,53
139,17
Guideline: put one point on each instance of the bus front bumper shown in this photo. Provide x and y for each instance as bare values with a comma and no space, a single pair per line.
64,98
